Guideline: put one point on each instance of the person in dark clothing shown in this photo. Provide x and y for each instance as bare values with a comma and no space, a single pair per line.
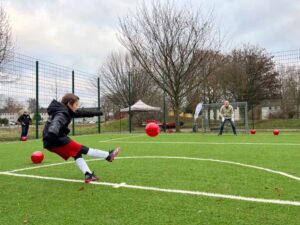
55,135
24,120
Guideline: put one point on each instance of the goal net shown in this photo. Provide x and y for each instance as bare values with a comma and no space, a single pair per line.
211,118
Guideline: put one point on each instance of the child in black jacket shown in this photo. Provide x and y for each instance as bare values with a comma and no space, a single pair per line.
24,120
56,129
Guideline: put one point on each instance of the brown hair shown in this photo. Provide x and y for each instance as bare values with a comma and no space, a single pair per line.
69,98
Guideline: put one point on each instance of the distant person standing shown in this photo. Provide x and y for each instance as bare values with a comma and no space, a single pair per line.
24,120
226,112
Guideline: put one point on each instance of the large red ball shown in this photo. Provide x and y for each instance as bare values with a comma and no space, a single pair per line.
24,138
275,132
37,157
252,131
152,129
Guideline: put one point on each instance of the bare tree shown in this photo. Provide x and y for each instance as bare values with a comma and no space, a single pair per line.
31,105
290,90
107,107
249,75
210,90
11,105
115,75
170,44
6,43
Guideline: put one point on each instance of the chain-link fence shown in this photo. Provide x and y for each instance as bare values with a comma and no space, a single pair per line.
30,84
287,65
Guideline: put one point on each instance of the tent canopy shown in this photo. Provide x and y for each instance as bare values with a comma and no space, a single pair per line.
140,106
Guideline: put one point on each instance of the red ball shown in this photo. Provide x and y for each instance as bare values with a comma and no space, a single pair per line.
275,132
24,138
252,131
37,157
152,129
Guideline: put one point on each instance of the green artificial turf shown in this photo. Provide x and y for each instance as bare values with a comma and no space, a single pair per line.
192,166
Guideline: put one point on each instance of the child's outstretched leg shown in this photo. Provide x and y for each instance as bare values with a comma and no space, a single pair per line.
95,153
82,165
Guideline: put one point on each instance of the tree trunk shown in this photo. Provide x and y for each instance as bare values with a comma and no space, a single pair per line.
176,117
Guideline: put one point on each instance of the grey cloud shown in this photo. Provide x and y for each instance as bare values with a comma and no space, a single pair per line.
268,23
81,34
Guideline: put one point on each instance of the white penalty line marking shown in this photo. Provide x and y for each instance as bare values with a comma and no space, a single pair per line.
76,136
119,185
170,157
124,185
274,201
215,160
120,138
206,143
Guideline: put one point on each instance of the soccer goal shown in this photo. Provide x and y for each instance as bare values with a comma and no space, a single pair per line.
211,118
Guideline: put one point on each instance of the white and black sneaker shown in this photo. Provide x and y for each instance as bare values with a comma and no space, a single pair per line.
113,154
89,177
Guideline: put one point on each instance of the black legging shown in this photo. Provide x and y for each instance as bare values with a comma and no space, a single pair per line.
84,150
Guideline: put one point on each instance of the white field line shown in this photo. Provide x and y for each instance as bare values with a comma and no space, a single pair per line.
206,143
119,185
123,185
19,142
218,161
43,166
171,157
121,138
293,133
79,136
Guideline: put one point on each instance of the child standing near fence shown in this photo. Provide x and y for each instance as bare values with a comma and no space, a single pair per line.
25,121
55,133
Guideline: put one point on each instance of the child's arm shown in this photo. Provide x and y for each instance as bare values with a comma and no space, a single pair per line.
82,113
20,120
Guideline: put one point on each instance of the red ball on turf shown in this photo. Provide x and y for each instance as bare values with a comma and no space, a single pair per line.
37,157
252,131
152,129
24,138
275,132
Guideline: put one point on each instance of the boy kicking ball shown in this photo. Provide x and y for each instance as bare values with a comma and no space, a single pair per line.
55,133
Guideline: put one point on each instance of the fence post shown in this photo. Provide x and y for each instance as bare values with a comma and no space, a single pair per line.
164,102
99,117
129,100
73,91
246,118
37,117
252,115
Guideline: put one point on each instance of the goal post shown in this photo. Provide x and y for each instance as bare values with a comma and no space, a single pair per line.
211,118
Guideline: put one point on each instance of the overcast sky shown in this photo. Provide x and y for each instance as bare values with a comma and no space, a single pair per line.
80,34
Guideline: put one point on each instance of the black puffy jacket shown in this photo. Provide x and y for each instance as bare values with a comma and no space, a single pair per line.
24,119
56,128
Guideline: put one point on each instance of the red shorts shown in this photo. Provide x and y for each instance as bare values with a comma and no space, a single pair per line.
69,150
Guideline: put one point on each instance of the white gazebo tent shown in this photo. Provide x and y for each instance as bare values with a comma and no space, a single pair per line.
140,106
